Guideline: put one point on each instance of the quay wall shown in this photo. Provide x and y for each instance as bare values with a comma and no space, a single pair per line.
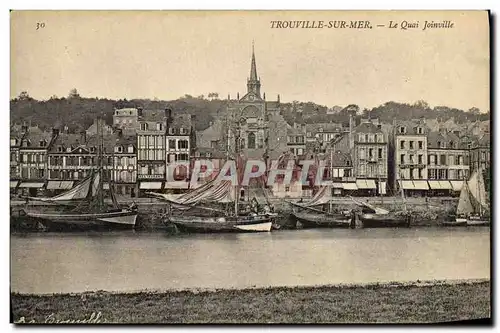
425,211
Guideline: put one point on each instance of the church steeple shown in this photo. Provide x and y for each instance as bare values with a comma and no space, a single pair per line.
253,83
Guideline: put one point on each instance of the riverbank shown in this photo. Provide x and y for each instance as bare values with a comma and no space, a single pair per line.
418,302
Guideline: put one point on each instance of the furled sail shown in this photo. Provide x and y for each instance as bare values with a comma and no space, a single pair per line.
377,210
478,191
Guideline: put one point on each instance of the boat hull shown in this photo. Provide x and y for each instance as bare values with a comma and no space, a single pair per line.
121,219
459,222
309,220
478,222
384,221
211,225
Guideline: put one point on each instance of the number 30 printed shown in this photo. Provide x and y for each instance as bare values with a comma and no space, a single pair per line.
40,25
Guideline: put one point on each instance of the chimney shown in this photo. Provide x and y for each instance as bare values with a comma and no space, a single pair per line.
83,136
55,132
238,96
278,98
24,128
168,113
139,111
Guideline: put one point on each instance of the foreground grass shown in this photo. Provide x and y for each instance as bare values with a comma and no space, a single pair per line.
329,304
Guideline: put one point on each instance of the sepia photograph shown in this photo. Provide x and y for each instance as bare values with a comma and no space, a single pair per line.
250,167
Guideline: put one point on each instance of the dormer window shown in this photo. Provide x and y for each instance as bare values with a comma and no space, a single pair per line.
451,144
25,143
131,149
321,129
159,127
68,149
13,142
144,126
171,131
361,138
92,149
60,149
118,149
402,130
420,130
183,130
209,155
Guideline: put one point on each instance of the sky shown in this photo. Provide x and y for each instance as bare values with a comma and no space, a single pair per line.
165,55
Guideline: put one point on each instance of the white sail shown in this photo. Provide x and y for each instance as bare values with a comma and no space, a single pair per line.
465,206
78,192
478,191
324,195
95,184
377,210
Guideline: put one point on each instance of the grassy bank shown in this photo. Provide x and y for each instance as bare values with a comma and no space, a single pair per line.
393,303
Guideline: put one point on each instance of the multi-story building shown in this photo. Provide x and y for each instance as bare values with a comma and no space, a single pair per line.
33,159
447,162
321,135
409,160
480,157
296,138
151,159
180,141
125,165
369,153
72,157
126,119
16,136
340,172
94,128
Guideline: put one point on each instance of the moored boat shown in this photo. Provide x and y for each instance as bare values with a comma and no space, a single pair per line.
390,220
258,223
318,220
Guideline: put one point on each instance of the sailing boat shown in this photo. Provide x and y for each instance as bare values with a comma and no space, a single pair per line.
230,220
473,207
91,211
376,217
316,218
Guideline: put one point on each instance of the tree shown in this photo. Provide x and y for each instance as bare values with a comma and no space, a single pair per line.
73,93
475,111
23,96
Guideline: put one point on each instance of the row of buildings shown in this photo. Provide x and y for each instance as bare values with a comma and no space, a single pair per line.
364,158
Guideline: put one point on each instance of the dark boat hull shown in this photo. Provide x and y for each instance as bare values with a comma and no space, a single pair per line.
384,221
309,220
216,225
119,219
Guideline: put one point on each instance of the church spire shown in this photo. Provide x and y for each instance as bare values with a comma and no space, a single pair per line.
253,83
253,68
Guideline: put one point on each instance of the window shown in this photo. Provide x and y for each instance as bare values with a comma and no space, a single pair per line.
420,173
451,144
402,130
300,139
370,153
420,159
371,138
420,144
460,160
366,137
362,169
442,159
251,140
151,141
442,174
43,143
171,131
183,144
361,138
380,152
432,173
451,158
144,126
411,159
171,144
402,144
439,144
411,144
159,126
118,149
183,131
362,153
402,159
130,149
300,151
420,130
380,138
183,157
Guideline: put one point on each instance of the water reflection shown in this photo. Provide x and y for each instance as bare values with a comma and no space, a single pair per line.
57,262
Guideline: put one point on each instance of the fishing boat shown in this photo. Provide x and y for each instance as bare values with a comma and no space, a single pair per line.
90,210
473,206
312,217
376,217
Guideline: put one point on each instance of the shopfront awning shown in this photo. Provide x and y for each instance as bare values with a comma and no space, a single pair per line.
31,185
59,184
13,183
457,185
349,186
150,185
368,184
337,185
434,185
406,185
420,185
445,185
182,184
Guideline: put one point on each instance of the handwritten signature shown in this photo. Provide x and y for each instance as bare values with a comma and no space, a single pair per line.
94,318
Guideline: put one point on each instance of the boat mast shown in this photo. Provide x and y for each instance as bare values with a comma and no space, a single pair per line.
236,155
403,194
100,198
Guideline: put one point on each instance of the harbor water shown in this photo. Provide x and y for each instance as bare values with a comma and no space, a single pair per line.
131,261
